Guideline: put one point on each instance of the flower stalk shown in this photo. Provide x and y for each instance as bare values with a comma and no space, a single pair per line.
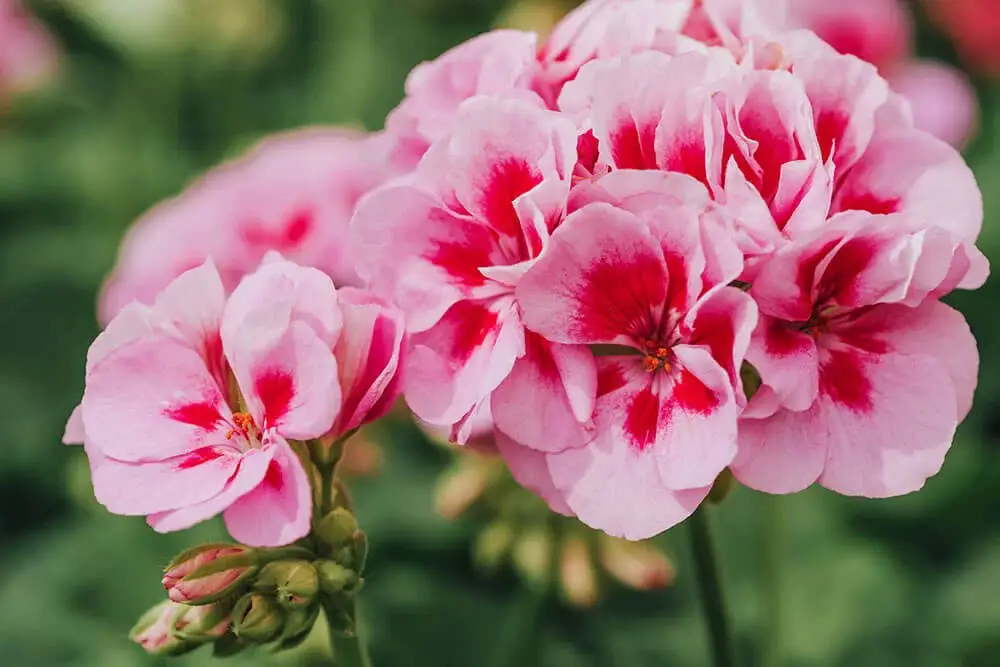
709,580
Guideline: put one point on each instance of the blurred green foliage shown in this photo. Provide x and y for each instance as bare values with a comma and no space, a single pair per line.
145,101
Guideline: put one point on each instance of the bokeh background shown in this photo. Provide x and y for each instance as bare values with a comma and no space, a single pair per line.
147,94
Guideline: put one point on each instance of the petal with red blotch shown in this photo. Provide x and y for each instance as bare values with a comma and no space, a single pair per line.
153,399
931,329
531,470
420,254
289,384
722,323
788,362
278,510
556,384
457,364
148,487
886,419
368,357
602,279
501,149
248,474
192,306
907,171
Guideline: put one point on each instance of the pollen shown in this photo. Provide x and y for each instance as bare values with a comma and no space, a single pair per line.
656,359
243,424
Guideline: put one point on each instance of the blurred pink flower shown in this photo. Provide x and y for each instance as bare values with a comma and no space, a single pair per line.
28,53
449,243
881,32
293,193
864,374
974,27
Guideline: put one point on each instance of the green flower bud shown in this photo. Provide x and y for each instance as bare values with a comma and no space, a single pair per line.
337,527
334,578
257,619
298,624
294,583
204,623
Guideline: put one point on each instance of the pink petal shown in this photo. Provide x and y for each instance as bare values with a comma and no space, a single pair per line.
368,354
911,172
74,433
785,453
556,385
602,279
457,364
290,384
419,253
153,399
530,468
788,362
279,509
248,474
889,421
722,323
149,487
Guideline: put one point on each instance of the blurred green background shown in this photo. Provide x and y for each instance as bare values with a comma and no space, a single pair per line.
151,93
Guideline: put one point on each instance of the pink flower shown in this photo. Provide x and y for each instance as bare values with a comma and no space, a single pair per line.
500,63
641,271
782,149
449,244
189,404
27,52
864,374
293,193
881,32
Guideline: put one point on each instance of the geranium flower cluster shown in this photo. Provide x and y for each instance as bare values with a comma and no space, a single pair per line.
672,240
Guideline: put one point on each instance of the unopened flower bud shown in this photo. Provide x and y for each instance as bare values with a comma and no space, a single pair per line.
576,573
204,623
294,583
638,565
257,618
298,623
337,527
154,631
334,578
493,544
208,573
532,556
460,487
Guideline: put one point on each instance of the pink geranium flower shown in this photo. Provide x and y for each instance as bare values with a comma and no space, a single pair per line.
864,374
641,271
191,403
783,148
449,244
293,193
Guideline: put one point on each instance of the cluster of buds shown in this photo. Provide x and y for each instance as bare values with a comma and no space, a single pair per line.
545,549
234,597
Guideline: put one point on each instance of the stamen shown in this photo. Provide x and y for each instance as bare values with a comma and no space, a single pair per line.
244,425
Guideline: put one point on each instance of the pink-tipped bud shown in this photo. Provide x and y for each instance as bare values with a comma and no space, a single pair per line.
208,573
576,573
154,631
638,565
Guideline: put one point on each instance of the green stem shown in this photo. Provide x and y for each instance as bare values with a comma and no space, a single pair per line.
772,532
710,585
348,651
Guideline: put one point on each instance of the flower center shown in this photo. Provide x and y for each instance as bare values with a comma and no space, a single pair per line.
245,426
657,356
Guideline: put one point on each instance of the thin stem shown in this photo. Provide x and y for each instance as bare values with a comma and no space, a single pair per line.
348,651
773,540
710,585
